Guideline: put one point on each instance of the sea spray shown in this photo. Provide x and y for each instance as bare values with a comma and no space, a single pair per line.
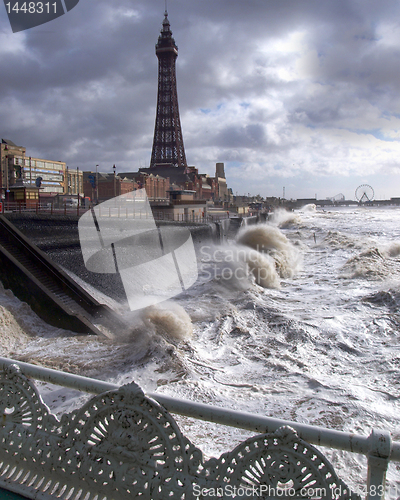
12,337
270,240
19,325
310,207
283,218
169,318
394,250
339,241
261,265
237,266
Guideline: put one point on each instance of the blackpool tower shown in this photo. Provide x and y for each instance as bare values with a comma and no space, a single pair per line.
168,142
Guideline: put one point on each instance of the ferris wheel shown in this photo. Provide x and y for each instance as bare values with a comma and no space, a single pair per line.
365,193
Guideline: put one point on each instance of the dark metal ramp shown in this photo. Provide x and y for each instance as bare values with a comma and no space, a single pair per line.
51,292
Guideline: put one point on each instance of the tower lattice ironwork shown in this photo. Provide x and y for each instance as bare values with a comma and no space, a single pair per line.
168,141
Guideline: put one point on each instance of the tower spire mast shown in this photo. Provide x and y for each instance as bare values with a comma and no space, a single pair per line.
168,141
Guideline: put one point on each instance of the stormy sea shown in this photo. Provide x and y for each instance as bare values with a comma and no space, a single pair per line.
296,318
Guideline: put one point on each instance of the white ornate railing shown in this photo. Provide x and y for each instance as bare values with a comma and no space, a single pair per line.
123,444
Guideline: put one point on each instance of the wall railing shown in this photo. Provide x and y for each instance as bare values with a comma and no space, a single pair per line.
123,444
50,209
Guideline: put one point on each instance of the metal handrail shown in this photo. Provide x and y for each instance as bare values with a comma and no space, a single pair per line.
378,446
356,443
9,207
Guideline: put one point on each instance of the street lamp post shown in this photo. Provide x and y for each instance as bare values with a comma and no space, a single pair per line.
7,181
97,186
115,186
77,180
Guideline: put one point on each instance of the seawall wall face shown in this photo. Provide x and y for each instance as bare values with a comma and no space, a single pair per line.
51,231
250,221
200,232
57,236
31,291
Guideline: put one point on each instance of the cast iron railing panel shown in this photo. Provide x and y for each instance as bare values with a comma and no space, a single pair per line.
123,444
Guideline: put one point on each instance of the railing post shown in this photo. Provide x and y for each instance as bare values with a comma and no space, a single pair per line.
378,460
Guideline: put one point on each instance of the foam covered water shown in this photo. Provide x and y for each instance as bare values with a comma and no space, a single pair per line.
297,319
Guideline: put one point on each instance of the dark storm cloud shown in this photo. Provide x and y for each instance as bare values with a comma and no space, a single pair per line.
308,86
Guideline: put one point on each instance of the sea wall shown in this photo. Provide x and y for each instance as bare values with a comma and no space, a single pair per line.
57,231
57,235
30,290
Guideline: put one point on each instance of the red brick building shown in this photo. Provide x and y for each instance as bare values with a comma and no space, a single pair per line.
101,187
156,186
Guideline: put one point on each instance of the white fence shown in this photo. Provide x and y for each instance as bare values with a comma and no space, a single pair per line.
123,444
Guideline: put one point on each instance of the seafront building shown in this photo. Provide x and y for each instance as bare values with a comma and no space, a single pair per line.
29,180
156,186
100,186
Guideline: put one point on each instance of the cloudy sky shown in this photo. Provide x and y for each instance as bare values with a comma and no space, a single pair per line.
294,95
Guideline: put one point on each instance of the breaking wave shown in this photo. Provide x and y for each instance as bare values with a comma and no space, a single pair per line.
262,254
262,266
169,318
374,263
310,207
283,218
270,241
237,266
